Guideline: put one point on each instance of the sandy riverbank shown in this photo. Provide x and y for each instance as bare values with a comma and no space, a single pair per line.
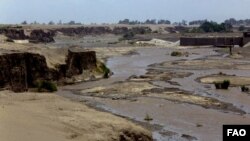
39,117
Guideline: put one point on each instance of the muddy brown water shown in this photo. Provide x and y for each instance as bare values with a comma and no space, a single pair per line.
186,121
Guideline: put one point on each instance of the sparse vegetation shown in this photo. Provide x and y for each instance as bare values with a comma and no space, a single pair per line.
196,30
233,21
199,125
148,118
176,53
215,27
44,85
106,72
222,85
128,36
148,21
102,68
244,89
113,43
221,73
197,22
51,23
24,23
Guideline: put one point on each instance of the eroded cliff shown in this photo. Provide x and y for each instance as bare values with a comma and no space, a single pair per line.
20,71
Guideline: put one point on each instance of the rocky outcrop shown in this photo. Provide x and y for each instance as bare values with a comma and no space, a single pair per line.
20,71
14,34
78,61
46,36
41,36
81,31
85,30
35,36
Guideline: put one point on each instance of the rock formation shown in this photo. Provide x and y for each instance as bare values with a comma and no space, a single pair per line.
20,71
78,61
14,34
35,36
84,30
46,36
41,36
81,31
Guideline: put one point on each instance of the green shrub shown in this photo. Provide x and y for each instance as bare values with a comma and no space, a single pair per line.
244,89
222,85
106,71
46,86
103,69
176,53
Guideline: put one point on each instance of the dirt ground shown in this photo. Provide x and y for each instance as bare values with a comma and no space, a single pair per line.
147,80
33,116
54,56
144,86
36,116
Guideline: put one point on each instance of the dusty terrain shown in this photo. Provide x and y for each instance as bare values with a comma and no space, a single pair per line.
53,55
33,116
176,92
46,116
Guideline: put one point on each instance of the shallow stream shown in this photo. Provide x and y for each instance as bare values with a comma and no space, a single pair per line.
179,121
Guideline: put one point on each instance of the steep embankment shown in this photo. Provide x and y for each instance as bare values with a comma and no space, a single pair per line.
23,65
34,36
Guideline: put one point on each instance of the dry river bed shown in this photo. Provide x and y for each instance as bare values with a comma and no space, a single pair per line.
176,92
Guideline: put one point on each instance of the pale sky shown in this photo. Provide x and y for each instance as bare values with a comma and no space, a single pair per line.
111,11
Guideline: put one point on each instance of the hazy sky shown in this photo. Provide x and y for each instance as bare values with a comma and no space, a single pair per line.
100,11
